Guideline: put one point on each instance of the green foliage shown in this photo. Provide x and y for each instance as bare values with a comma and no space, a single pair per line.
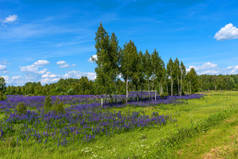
21,108
2,85
129,61
58,107
193,83
158,72
107,60
48,104
2,89
2,96
218,82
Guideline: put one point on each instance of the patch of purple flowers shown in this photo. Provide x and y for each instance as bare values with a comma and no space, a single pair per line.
80,102
75,126
84,119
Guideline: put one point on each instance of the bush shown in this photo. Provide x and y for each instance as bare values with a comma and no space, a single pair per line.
2,96
48,104
21,108
58,107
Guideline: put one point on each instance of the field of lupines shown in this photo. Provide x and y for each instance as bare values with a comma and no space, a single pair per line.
85,117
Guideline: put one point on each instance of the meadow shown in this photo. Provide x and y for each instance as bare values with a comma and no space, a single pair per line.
195,126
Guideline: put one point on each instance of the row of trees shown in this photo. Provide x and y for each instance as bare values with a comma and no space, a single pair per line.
120,70
62,87
142,70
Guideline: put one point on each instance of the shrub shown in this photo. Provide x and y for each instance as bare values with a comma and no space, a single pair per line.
48,104
21,108
58,107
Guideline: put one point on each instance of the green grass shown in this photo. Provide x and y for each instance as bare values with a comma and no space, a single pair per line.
202,126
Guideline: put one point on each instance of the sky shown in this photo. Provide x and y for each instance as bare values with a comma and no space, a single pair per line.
42,40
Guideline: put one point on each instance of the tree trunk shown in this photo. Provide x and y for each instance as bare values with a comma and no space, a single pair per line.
172,86
181,85
178,84
161,89
126,89
167,86
190,87
149,87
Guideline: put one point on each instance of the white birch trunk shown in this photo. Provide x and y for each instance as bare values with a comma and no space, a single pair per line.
126,89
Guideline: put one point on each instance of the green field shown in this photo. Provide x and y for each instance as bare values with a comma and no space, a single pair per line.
201,128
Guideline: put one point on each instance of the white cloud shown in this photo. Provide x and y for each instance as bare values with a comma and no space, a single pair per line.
42,71
62,64
209,72
207,65
34,68
48,75
227,32
232,69
10,19
3,67
16,77
78,74
206,68
17,80
49,80
214,69
93,58
41,62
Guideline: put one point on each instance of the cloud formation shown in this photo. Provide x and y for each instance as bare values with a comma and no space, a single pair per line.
213,69
10,18
78,74
35,67
233,69
62,64
228,32
206,68
49,77
3,67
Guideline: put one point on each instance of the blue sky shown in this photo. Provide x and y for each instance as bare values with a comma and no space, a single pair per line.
44,41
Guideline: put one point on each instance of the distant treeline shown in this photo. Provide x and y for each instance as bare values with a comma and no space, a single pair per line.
123,69
85,86
218,82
